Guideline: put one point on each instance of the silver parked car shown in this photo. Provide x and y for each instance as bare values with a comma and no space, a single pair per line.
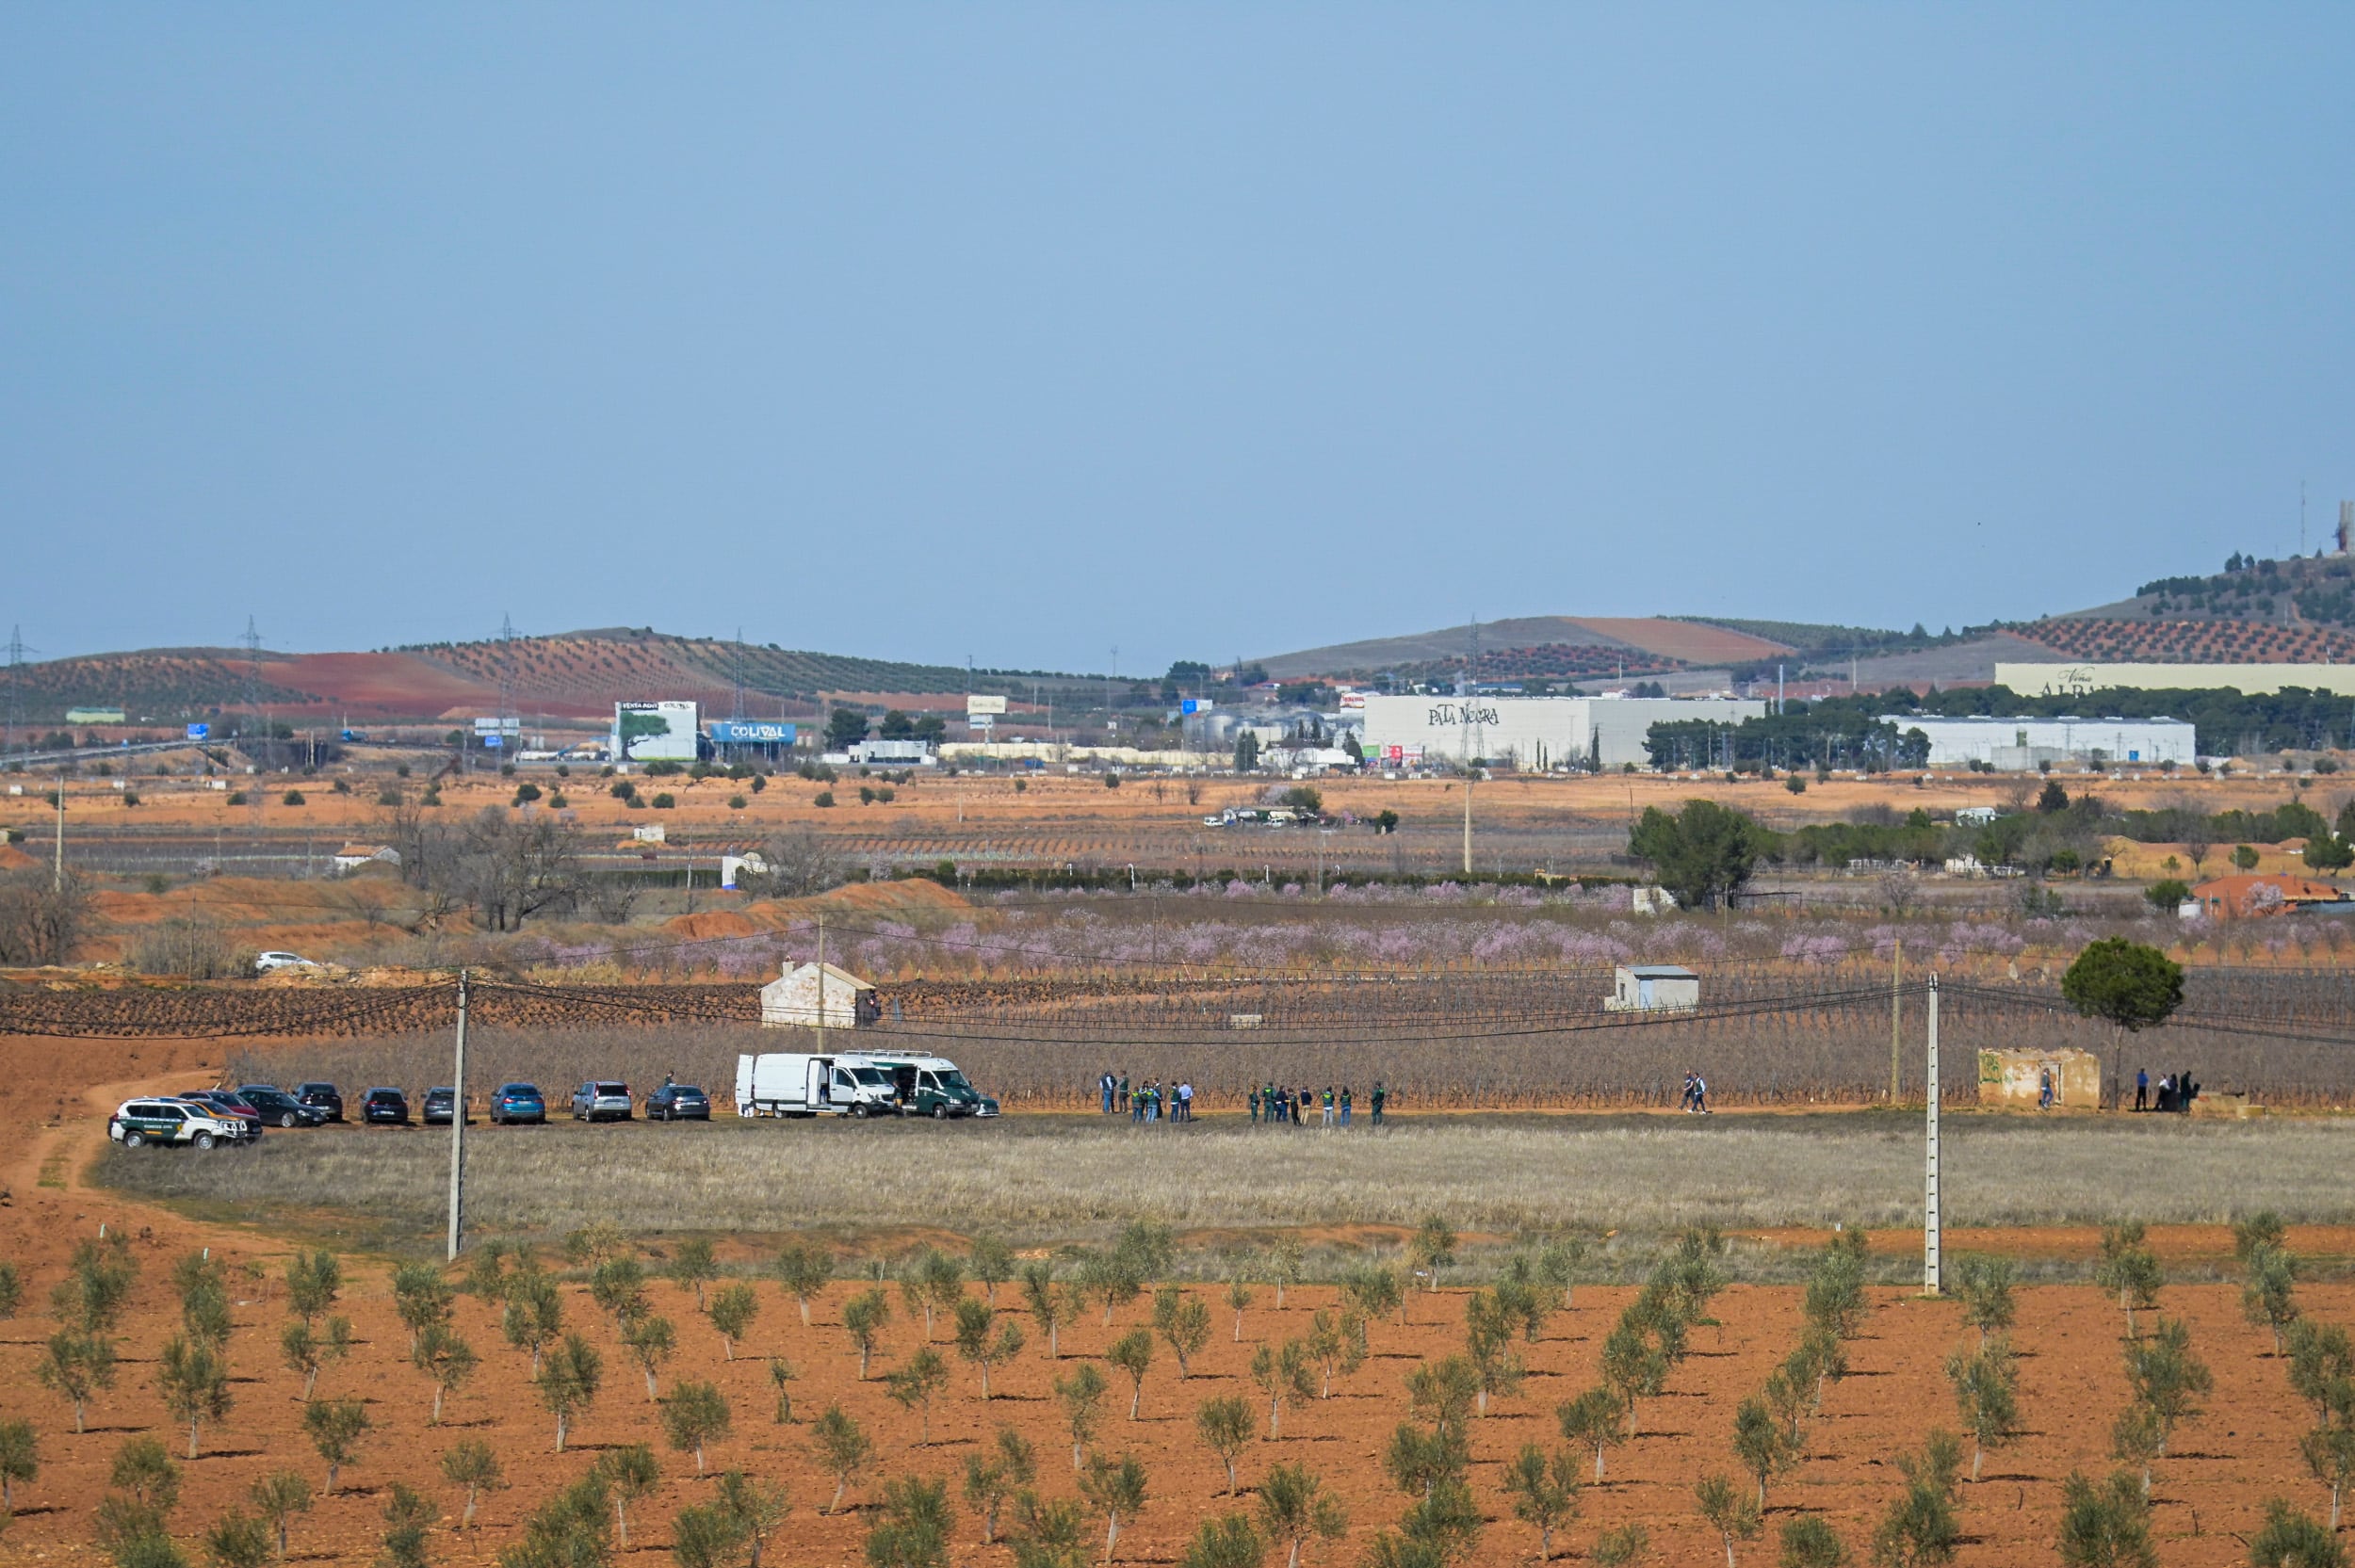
599,1099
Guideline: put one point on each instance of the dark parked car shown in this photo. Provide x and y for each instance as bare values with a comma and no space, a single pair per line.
323,1095
438,1100
278,1108
518,1102
678,1102
387,1107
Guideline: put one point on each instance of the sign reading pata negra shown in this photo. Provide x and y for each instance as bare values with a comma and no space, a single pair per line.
1446,714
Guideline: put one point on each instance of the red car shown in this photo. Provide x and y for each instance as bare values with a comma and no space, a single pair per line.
221,1102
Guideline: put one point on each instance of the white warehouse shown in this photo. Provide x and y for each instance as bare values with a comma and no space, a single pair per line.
1534,733
2015,745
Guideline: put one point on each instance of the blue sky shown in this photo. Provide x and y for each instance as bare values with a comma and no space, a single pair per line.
1024,331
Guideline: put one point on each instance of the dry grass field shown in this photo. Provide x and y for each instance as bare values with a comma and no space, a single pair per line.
1045,1181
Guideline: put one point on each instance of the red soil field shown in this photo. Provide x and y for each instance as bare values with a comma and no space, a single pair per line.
2210,1491
400,684
1684,640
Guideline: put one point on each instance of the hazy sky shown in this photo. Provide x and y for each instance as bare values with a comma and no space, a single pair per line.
1025,331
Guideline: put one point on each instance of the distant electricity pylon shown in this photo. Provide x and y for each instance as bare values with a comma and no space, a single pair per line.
16,694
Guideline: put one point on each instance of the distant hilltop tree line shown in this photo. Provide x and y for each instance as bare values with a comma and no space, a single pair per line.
2319,589
1705,852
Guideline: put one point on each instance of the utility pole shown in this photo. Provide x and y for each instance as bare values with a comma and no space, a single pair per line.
57,874
1931,1253
1896,1016
1467,789
821,983
458,1129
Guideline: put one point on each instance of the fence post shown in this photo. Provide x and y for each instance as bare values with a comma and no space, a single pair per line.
1931,1258
458,1127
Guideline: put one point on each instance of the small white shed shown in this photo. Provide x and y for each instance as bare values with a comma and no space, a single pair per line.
1652,988
791,1000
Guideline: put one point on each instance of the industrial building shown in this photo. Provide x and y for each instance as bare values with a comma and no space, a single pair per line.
1539,733
2251,680
2018,745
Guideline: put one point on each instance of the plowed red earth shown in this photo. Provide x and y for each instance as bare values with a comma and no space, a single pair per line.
2210,1493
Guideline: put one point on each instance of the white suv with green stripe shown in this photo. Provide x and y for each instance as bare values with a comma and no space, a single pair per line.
139,1122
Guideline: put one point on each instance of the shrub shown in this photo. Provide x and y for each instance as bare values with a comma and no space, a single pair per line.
2290,1540
822,800
294,798
2167,892
840,1448
737,802
2105,1526
696,1414
1920,1526
665,802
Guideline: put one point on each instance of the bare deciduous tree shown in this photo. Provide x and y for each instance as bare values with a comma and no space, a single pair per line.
42,920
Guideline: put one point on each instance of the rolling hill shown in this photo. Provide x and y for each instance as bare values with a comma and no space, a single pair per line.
575,675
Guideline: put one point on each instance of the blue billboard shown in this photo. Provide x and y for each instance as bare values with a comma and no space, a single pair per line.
751,732
198,732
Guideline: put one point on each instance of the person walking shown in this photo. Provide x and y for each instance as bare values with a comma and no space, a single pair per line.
1105,1085
1381,1097
2142,1089
1700,1095
1345,1104
2045,1089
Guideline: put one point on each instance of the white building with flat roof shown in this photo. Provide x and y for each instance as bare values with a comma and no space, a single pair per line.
2250,680
2016,745
1537,733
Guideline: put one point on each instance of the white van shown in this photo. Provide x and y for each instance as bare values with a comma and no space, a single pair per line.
855,1083
794,1083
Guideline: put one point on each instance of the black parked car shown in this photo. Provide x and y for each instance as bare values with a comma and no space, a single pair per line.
387,1107
437,1107
678,1102
323,1095
278,1108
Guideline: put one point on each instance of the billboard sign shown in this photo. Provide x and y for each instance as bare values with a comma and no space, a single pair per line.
654,731
198,732
982,723
1197,705
493,740
752,732
977,706
493,725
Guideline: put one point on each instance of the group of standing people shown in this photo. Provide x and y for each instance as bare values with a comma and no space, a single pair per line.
1270,1103
2177,1091
1150,1101
1274,1104
1695,1101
